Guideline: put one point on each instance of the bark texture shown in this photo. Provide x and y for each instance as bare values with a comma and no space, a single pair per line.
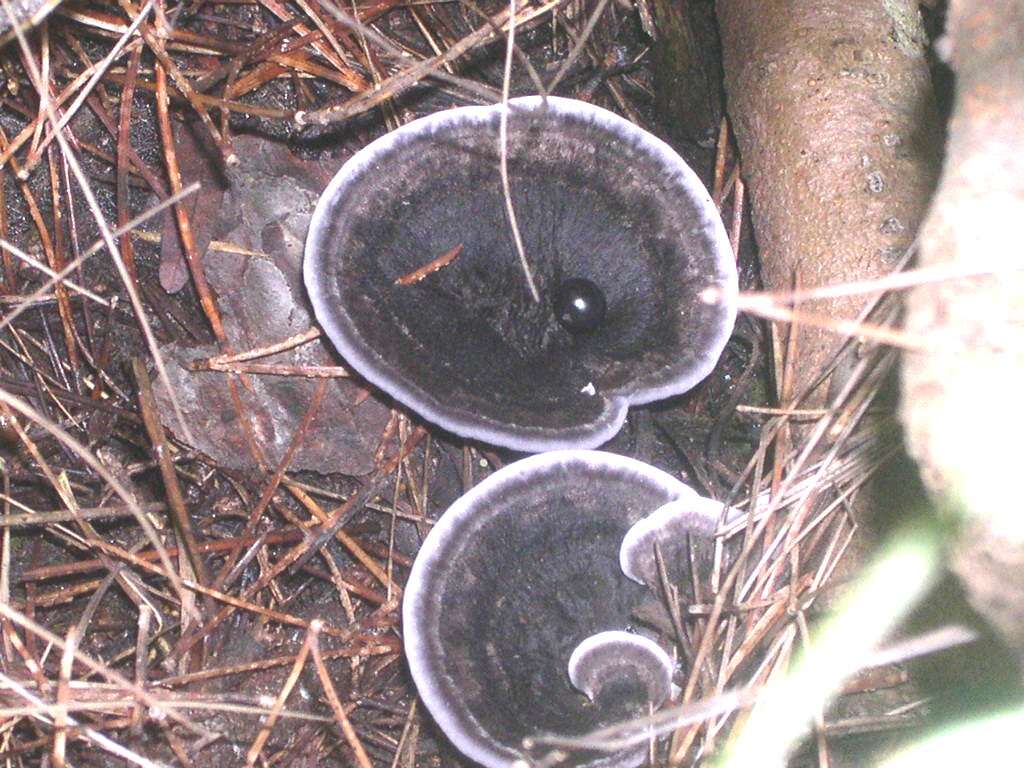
687,80
830,102
962,405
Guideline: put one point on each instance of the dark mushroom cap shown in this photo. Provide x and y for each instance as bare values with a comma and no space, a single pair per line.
511,580
597,199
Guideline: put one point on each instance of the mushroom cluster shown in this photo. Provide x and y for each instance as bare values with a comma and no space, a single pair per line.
518,608
622,240
518,611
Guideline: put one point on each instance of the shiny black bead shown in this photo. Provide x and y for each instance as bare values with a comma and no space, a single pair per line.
579,305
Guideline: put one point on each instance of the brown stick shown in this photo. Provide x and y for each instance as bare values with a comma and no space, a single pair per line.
430,267
188,243
332,697
58,262
123,144
60,720
380,646
282,696
275,480
300,554
416,72
162,451
166,64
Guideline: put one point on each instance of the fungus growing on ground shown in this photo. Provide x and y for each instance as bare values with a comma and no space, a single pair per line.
622,239
516,606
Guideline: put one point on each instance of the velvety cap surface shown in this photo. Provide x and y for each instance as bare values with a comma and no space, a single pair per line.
511,580
597,199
